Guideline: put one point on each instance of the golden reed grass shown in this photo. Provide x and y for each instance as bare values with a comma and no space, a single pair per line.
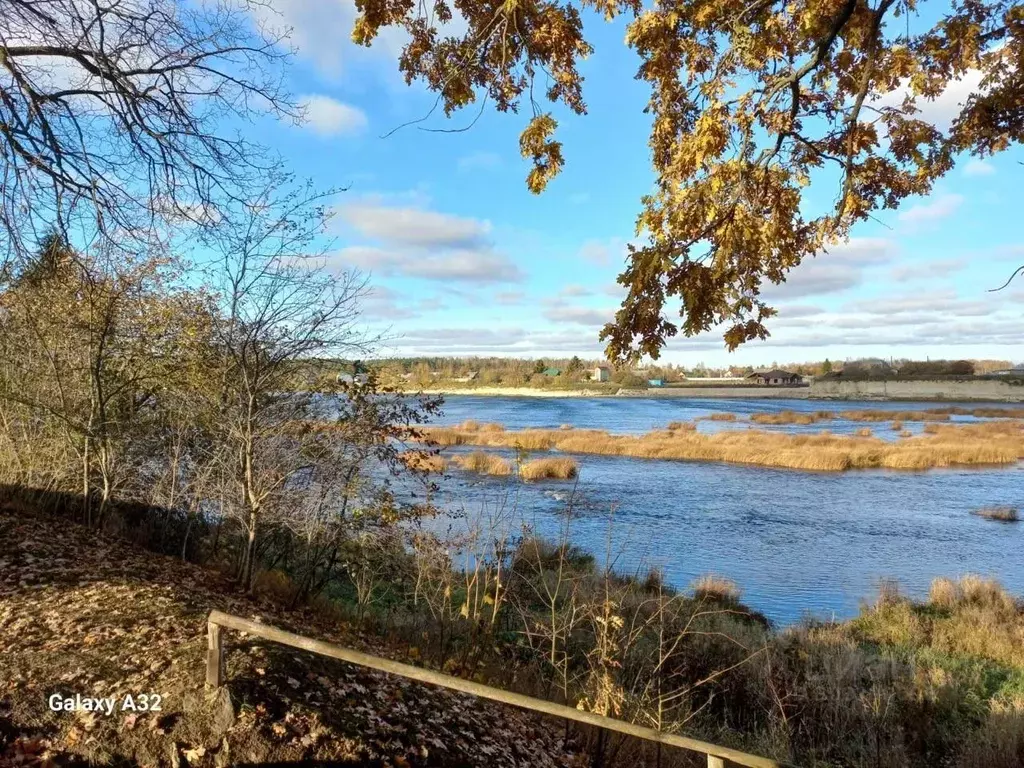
713,587
688,426
484,463
560,468
722,417
422,461
1001,514
946,445
790,417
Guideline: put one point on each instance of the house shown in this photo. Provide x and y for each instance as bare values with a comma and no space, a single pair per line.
776,378
350,378
601,373
655,382
1017,370
552,372
356,374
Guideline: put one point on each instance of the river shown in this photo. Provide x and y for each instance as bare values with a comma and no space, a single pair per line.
797,543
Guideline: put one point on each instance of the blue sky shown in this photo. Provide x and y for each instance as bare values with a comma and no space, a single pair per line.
463,260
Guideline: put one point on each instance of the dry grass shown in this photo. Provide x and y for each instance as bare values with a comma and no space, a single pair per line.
712,587
445,436
906,433
897,426
1001,514
560,468
422,461
879,415
944,593
684,426
790,417
988,443
722,417
484,463
864,432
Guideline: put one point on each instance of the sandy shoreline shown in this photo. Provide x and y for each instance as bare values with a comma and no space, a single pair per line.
517,392
717,393
801,393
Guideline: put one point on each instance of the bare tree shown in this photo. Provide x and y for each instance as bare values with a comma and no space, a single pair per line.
279,310
114,115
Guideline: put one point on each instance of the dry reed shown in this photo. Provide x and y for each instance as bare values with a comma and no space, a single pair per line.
713,587
484,463
864,432
560,468
421,461
687,426
789,417
1000,514
897,426
722,417
988,443
882,415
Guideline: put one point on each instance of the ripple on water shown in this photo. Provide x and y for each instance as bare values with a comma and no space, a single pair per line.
796,542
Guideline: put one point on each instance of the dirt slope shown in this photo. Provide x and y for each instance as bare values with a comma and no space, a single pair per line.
85,614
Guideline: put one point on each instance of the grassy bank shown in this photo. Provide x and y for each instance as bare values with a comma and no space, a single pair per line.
985,444
911,684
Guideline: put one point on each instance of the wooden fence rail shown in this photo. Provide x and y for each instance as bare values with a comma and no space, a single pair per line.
718,756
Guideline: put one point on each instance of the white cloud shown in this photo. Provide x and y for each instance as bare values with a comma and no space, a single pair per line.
509,298
838,269
940,208
579,315
977,167
461,264
574,290
928,269
412,241
943,304
321,32
330,117
799,311
943,109
415,226
382,303
603,252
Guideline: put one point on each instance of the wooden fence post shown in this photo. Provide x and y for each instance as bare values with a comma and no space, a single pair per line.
715,762
214,656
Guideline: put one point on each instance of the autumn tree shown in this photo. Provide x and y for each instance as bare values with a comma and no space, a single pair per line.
277,308
115,116
752,102
88,343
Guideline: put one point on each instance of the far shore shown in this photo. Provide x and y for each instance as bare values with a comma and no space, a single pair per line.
707,393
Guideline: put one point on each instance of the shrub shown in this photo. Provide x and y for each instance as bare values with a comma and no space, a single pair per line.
421,461
1001,514
484,463
681,426
718,588
549,469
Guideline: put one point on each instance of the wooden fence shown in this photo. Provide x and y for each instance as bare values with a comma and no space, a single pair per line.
718,757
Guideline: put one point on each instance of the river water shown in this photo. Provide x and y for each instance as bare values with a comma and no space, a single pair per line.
797,543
